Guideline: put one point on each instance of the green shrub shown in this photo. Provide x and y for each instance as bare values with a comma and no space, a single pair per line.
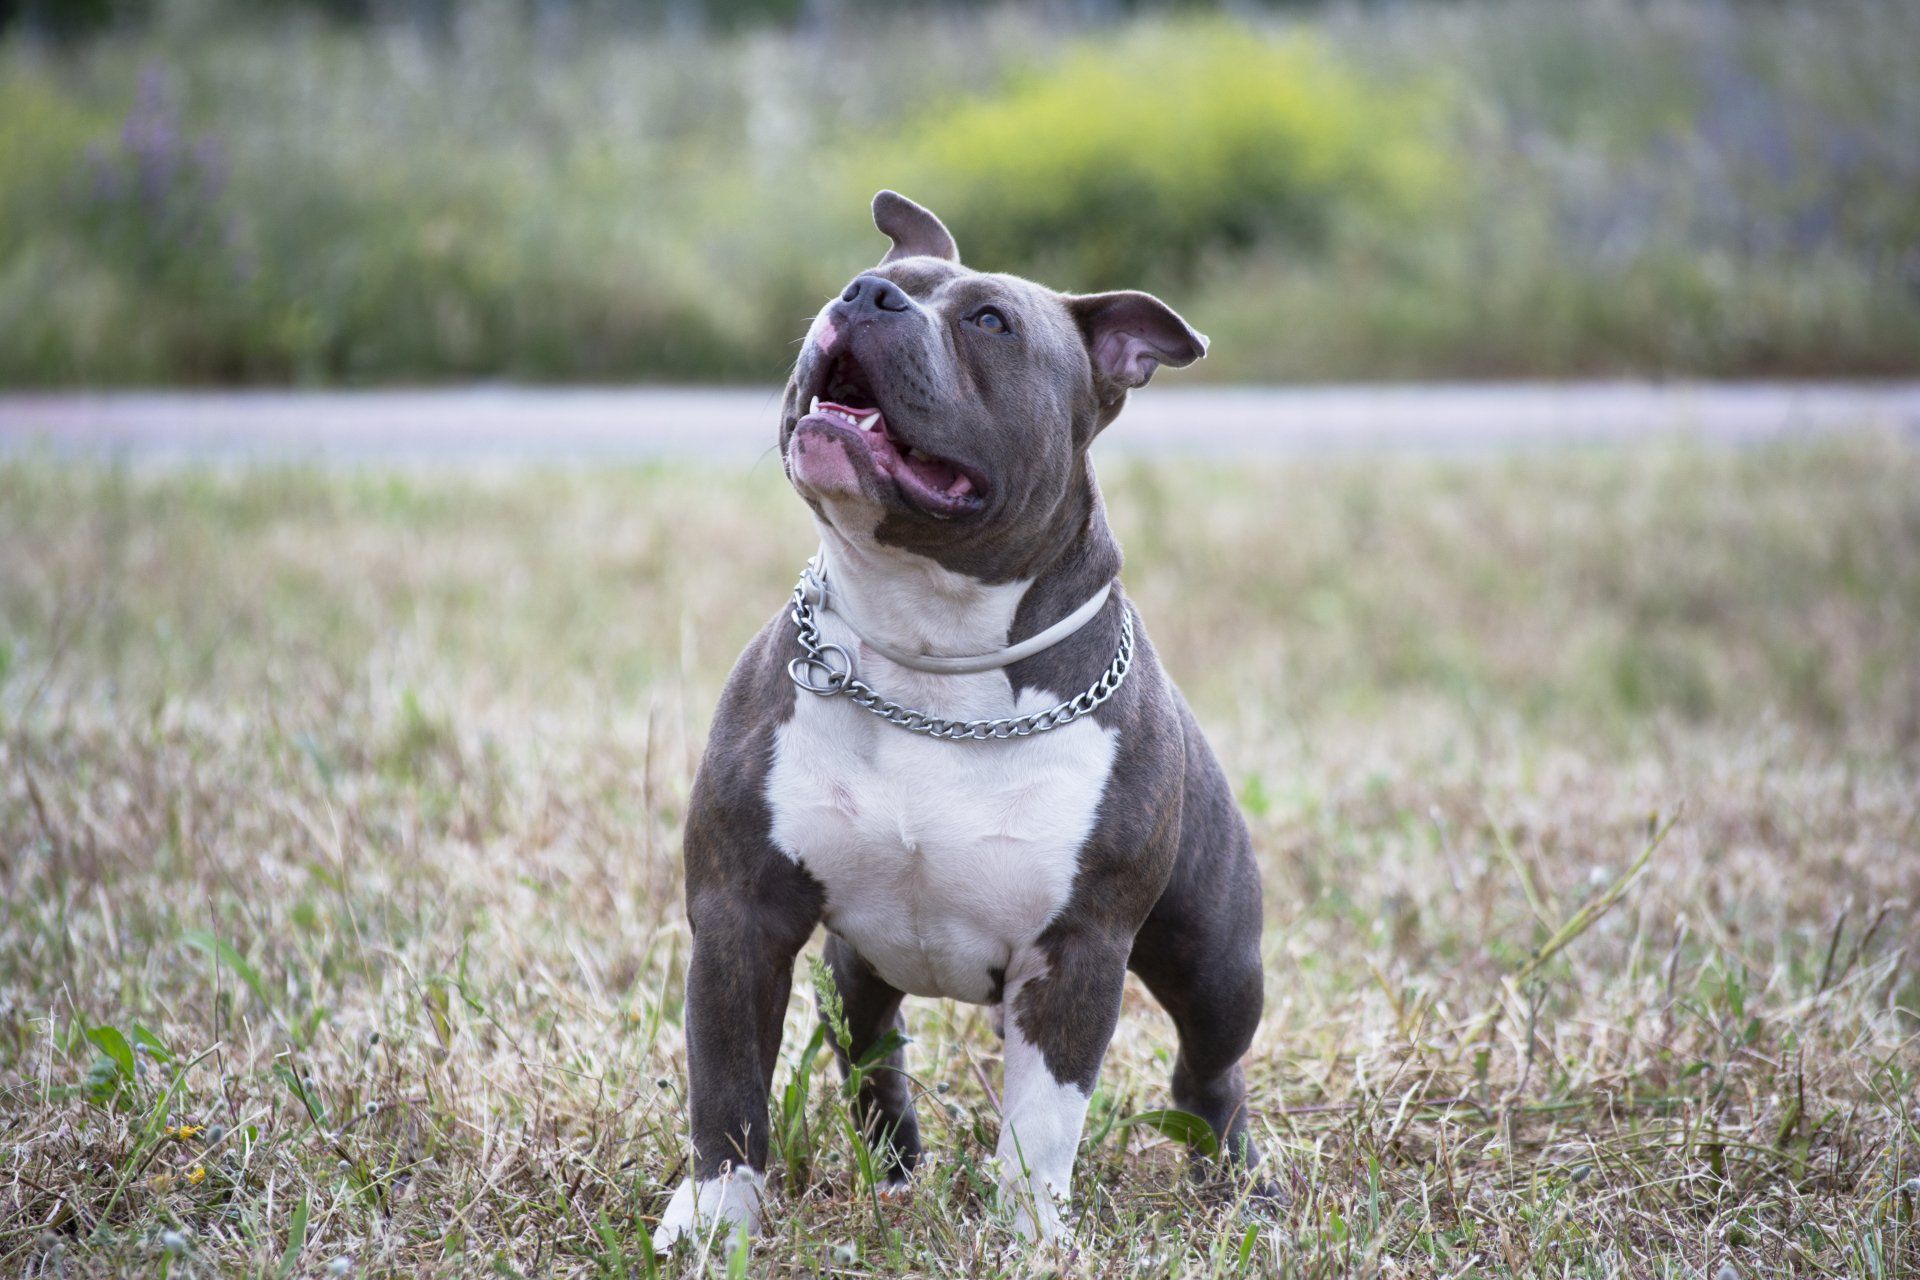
1134,157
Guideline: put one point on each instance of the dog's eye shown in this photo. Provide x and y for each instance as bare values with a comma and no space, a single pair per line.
991,321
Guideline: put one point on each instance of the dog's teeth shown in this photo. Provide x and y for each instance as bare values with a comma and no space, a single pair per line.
866,423
918,456
814,407
962,487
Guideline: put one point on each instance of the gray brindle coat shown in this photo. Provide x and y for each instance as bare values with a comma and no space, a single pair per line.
937,424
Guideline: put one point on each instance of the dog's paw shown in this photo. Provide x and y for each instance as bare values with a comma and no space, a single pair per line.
1043,1224
1039,1210
1266,1193
699,1206
897,1185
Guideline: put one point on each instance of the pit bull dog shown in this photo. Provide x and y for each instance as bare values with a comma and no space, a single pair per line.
956,748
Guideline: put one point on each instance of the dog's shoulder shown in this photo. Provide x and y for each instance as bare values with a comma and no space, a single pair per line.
755,702
1129,854
727,818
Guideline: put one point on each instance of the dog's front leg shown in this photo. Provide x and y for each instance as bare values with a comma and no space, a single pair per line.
750,916
1061,1011
737,986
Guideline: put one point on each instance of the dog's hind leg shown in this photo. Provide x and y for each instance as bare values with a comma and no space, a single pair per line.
884,1105
1213,994
1199,954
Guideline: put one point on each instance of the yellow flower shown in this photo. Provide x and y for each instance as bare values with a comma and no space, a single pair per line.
196,1175
182,1132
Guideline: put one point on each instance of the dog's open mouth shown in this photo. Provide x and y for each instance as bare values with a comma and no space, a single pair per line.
937,485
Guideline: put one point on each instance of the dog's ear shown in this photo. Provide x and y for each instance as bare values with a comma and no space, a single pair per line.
915,232
1130,334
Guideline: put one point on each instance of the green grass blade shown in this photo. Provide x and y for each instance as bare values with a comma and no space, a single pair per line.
296,1238
224,952
1182,1126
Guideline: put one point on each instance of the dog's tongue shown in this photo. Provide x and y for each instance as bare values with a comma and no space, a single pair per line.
939,476
929,472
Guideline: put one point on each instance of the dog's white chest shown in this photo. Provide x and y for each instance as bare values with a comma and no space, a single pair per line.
939,860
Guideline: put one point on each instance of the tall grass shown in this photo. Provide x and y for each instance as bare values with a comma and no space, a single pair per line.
1494,187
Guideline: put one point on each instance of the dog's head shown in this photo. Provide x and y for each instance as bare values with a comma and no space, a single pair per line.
947,411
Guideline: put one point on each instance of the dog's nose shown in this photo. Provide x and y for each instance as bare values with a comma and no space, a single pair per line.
877,293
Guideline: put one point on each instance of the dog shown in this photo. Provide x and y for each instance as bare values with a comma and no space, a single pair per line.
956,748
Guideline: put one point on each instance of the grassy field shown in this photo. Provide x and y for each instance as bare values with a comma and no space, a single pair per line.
1475,188
340,929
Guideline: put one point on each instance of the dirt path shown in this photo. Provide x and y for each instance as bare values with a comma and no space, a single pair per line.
578,424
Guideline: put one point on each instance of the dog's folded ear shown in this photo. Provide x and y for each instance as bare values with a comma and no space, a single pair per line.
915,232
1130,334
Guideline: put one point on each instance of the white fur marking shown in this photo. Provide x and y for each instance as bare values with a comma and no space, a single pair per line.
1040,1122
698,1207
940,861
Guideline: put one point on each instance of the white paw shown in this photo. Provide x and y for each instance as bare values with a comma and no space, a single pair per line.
698,1207
1038,1209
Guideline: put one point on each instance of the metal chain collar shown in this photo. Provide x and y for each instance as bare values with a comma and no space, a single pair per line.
838,677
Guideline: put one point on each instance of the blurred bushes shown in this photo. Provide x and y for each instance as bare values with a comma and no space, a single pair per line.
330,207
1128,162
1422,191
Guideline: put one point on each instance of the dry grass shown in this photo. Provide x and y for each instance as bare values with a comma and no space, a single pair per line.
351,801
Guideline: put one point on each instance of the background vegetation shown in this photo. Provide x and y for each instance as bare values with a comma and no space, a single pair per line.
342,193
340,924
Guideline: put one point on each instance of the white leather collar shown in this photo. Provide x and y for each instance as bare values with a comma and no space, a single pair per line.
957,666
